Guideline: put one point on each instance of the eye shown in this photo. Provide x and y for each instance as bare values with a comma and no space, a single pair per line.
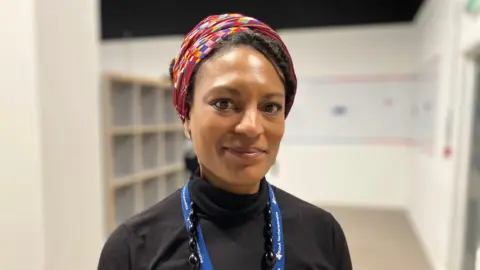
272,108
223,104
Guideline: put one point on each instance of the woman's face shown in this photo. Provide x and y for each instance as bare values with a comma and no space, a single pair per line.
237,119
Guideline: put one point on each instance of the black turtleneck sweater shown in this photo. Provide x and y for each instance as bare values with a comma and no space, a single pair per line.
233,229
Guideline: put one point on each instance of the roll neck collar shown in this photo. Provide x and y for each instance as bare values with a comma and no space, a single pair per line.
225,208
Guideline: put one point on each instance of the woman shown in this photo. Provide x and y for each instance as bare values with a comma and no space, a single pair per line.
234,85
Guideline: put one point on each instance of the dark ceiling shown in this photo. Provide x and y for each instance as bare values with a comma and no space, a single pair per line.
147,18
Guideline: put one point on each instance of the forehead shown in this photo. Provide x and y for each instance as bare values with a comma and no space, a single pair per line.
241,67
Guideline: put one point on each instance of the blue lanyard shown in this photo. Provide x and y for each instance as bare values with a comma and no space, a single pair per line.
278,246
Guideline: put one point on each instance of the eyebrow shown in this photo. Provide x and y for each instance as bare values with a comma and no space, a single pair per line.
225,89
236,92
272,95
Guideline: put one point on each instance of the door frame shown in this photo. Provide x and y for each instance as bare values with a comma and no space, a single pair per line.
465,116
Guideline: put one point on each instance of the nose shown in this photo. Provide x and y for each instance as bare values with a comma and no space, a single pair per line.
250,124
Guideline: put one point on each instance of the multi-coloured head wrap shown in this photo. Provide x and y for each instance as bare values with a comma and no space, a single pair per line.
201,40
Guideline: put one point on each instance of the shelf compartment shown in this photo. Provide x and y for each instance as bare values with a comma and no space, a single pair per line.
168,184
150,151
169,112
171,182
122,101
150,191
173,147
149,103
142,176
124,203
123,156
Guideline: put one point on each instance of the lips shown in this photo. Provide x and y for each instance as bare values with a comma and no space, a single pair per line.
247,153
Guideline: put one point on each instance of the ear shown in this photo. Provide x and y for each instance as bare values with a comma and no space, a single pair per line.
186,129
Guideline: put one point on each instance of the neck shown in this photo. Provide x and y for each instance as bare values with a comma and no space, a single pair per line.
230,187
223,206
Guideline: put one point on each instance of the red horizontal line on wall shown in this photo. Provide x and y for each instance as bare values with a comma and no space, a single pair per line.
389,141
311,140
335,79
374,78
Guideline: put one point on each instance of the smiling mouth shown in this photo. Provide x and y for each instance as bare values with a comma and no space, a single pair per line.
250,153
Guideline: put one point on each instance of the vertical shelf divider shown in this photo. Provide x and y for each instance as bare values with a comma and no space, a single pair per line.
138,151
106,94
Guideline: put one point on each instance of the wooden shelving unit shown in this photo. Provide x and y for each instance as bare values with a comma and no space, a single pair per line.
143,145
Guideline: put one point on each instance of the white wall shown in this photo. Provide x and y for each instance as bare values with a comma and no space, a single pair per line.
469,25
21,221
437,201
358,175
344,175
68,79
430,200
50,178
144,57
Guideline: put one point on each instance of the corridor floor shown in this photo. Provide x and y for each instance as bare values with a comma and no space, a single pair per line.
380,239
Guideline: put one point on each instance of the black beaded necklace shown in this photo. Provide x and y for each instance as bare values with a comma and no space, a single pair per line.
269,258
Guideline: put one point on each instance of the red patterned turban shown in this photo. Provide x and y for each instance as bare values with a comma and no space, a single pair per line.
201,40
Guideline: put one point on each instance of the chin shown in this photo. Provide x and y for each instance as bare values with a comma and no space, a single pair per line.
249,175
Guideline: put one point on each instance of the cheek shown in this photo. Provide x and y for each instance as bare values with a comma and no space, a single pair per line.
275,132
207,134
274,135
